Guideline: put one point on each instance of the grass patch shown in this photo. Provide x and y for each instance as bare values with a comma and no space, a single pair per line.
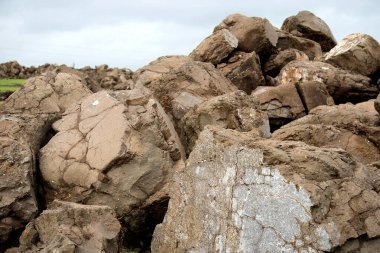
11,84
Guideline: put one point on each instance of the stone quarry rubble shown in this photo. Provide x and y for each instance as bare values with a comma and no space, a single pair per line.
261,140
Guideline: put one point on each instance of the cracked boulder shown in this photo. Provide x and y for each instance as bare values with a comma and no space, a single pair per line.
235,110
113,148
277,61
70,227
342,85
243,70
287,41
357,52
313,94
349,127
215,47
239,193
306,24
282,103
25,121
253,33
187,85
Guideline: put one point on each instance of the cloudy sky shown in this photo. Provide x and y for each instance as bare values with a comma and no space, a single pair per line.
133,33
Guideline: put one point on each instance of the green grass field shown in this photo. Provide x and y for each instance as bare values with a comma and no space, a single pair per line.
11,84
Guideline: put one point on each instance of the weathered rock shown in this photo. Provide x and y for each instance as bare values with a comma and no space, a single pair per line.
11,69
357,52
243,194
349,127
313,94
243,70
311,48
183,87
306,24
360,245
70,227
282,103
155,69
253,33
278,60
113,148
48,93
25,121
342,85
377,104
233,111
215,47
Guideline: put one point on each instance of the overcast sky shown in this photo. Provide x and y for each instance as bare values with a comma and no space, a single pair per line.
133,33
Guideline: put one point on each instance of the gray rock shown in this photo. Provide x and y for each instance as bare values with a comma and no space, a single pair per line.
239,193
306,24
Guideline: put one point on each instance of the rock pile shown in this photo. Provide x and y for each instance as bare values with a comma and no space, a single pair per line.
261,140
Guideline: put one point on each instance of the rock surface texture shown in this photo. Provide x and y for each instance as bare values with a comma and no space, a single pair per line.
114,149
306,24
69,227
241,194
357,52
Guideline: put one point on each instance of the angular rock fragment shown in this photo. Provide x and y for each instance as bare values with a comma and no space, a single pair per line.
346,126
70,227
311,48
236,111
313,94
342,85
215,47
113,148
306,24
243,70
253,33
357,52
282,103
187,85
243,194
278,60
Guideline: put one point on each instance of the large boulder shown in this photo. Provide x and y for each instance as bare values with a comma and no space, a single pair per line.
357,52
313,94
25,122
346,126
253,33
342,85
239,193
231,111
282,103
215,47
277,61
306,24
113,148
70,227
182,87
243,70
311,48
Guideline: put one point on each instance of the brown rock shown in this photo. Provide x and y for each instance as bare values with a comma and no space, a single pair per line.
306,24
357,52
311,48
359,246
278,60
282,103
184,87
239,193
113,148
231,111
351,128
253,33
377,104
69,227
215,47
313,94
342,85
243,70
